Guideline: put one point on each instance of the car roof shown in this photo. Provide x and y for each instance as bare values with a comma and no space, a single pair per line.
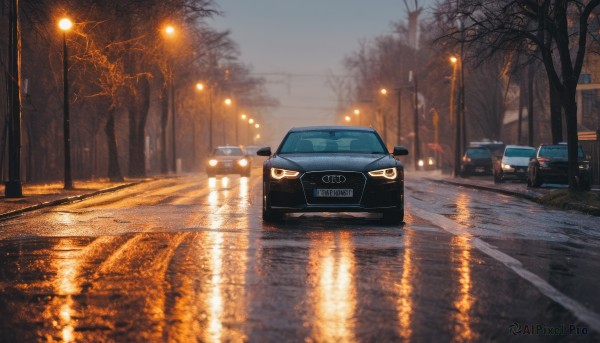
228,147
519,147
331,127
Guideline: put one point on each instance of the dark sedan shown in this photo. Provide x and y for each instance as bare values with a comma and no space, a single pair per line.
476,161
550,164
228,160
333,169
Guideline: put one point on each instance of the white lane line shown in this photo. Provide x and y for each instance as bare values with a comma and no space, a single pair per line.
581,312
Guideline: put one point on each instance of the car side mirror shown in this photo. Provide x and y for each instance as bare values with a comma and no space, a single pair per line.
400,151
266,151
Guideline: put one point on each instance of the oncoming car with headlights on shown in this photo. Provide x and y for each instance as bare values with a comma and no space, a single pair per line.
228,160
333,169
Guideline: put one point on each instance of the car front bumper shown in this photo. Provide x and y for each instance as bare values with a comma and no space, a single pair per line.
369,195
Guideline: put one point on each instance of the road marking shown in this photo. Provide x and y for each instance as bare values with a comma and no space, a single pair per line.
581,312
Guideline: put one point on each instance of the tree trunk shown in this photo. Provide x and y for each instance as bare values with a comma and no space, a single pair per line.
555,114
164,119
114,171
530,114
138,114
575,183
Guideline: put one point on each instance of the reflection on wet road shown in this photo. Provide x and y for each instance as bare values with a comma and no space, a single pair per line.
189,259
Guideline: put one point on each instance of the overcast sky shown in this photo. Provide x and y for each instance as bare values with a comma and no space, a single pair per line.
294,44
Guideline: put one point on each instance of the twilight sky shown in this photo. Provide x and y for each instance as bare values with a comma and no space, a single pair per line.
294,44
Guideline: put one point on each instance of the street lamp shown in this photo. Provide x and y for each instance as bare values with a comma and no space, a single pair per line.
383,92
256,126
412,76
228,102
347,118
65,25
200,87
170,32
457,117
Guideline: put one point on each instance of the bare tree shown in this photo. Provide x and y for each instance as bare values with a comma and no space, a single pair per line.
556,31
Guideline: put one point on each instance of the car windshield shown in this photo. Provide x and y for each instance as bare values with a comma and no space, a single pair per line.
228,151
519,152
556,151
479,153
332,141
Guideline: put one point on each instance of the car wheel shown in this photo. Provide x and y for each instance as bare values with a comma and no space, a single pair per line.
393,217
536,180
267,214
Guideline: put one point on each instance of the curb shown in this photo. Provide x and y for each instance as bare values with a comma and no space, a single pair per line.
569,206
489,189
67,200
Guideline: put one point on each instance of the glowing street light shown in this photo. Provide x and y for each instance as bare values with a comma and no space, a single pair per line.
65,25
170,32
200,87
251,121
356,111
347,118
383,91
244,116
256,126
228,102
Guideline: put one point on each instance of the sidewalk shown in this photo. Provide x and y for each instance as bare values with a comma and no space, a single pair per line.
517,189
37,196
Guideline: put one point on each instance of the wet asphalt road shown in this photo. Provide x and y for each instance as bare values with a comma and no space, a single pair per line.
189,259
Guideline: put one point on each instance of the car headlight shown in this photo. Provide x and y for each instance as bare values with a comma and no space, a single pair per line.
506,166
584,166
243,162
388,173
213,163
279,174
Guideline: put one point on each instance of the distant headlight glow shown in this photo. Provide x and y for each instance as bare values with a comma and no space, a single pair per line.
213,163
243,162
388,173
279,174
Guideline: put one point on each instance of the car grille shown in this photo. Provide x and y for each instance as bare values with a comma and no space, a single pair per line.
313,180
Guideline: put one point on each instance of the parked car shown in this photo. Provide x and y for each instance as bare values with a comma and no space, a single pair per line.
228,160
476,161
550,165
333,169
513,163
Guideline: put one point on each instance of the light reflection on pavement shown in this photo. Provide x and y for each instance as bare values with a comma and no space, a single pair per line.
191,260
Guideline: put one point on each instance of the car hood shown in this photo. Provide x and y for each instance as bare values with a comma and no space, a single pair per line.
516,161
320,162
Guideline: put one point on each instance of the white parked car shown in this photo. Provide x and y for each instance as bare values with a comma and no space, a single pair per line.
513,163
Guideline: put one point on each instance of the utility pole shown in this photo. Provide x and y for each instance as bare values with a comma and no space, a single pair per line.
417,155
398,115
13,187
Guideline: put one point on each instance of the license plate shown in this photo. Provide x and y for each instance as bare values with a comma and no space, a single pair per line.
479,170
333,193
227,165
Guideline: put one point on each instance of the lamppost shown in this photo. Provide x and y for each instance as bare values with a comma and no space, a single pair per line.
383,92
65,25
13,187
357,113
250,138
170,32
417,155
458,116
228,102
200,87
244,117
